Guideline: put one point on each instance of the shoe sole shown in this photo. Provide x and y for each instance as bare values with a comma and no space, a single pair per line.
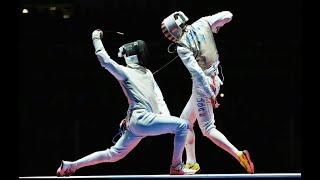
184,173
195,171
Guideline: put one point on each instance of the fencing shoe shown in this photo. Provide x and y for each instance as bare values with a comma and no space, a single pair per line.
246,162
65,169
193,166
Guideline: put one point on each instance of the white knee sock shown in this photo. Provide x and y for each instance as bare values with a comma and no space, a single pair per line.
220,140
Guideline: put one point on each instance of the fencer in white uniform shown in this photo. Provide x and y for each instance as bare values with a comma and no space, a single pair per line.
147,114
197,49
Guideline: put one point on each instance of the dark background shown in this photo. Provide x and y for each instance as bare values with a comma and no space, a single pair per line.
69,106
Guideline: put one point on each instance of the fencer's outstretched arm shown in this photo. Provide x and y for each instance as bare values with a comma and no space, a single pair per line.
114,68
163,108
218,20
196,72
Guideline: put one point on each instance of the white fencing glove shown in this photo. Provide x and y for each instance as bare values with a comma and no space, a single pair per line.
97,34
96,37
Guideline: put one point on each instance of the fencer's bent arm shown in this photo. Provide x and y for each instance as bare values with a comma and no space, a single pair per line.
195,70
163,108
114,68
219,19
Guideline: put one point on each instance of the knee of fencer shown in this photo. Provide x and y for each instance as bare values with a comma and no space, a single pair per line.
189,119
183,127
207,132
114,155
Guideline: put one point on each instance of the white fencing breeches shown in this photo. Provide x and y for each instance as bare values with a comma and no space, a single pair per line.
141,124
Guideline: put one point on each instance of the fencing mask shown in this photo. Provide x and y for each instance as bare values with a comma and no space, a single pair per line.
134,52
172,26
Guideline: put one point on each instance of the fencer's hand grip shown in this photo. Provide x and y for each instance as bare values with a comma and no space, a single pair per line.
214,103
97,34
